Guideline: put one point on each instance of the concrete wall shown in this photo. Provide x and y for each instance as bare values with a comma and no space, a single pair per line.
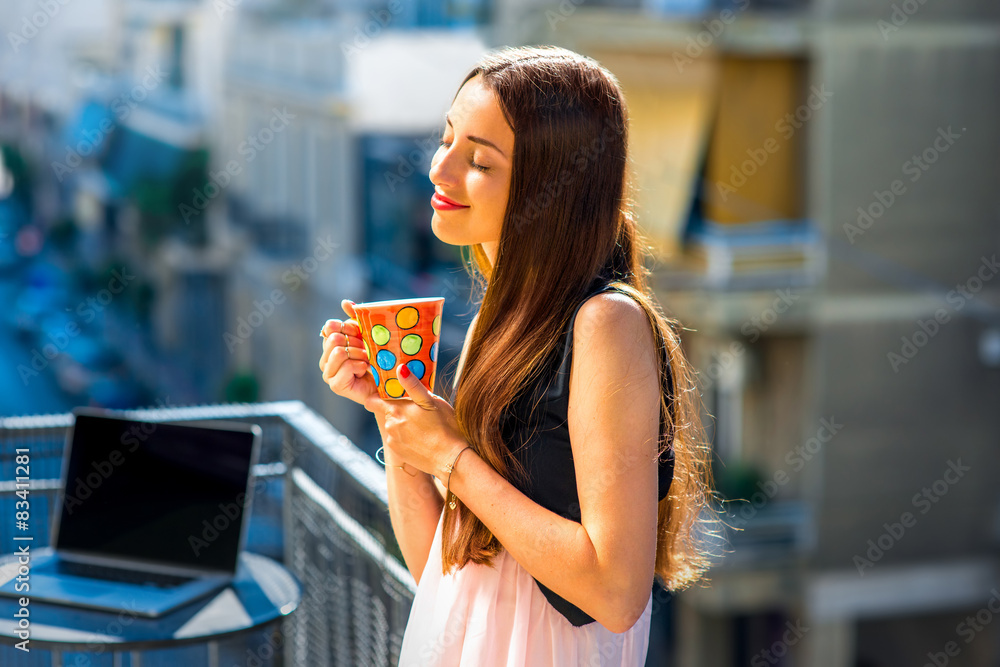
917,10
904,418
893,100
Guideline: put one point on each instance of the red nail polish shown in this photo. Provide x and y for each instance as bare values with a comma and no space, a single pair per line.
404,372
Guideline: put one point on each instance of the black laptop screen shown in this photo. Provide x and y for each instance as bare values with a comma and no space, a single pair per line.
166,493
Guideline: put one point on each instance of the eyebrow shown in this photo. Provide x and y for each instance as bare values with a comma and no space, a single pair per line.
479,140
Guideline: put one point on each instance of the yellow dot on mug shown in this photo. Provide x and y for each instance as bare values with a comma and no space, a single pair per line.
368,354
393,388
407,318
436,326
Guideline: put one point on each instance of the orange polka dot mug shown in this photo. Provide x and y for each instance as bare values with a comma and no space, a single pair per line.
401,331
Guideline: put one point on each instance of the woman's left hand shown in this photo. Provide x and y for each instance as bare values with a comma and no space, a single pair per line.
422,432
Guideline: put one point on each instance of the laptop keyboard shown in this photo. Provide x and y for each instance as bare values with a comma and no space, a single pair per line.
92,571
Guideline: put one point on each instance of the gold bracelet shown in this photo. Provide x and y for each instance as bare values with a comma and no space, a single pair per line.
382,461
450,469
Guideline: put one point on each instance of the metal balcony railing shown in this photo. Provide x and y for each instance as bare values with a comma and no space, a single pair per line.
320,506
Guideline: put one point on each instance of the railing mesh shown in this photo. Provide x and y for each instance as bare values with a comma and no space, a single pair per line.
319,506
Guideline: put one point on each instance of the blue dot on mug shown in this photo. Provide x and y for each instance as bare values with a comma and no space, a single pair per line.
385,359
434,352
417,367
411,344
374,373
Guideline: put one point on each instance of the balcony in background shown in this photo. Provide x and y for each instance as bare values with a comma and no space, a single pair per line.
319,507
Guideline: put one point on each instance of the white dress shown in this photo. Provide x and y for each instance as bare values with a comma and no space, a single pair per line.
496,616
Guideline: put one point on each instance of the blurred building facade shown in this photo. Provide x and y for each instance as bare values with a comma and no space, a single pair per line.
817,180
335,205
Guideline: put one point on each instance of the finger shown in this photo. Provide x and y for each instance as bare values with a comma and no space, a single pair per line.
340,371
334,358
342,353
348,307
345,381
413,387
353,341
344,376
352,328
330,326
349,327
329,343
342,340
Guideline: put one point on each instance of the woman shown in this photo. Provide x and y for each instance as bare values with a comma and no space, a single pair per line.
572,468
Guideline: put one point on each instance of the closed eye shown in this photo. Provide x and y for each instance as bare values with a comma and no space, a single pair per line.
471,162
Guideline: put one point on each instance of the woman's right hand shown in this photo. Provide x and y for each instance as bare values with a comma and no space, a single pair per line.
344,363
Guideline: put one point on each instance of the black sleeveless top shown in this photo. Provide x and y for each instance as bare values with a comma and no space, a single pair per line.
543,446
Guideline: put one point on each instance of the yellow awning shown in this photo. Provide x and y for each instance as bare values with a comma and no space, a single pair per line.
670,104
753,168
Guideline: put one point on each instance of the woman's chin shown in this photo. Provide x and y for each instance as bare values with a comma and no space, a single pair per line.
443,234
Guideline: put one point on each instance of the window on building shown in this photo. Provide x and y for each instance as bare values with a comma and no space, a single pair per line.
405,256
449,14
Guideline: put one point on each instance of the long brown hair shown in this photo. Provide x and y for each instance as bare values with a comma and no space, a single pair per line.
568,221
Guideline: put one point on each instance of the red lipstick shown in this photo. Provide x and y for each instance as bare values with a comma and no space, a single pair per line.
442,203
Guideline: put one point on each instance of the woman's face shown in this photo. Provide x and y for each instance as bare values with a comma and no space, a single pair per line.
472,167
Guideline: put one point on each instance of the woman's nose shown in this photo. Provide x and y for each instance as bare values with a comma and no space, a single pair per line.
441,167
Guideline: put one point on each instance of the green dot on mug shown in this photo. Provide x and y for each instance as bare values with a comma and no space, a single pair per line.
411,344
380,334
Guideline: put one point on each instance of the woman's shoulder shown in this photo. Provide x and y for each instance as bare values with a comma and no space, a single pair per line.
608,316
610,302
611,330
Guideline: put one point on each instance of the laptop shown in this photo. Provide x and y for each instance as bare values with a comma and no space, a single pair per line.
152,515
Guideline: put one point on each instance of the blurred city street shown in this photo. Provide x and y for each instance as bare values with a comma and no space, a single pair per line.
189,188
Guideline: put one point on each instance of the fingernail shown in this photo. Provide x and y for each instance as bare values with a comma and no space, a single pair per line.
404,372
